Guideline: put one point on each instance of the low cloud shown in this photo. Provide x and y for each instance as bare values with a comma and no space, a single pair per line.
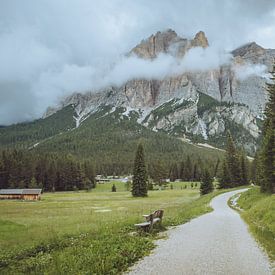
195,60
243,72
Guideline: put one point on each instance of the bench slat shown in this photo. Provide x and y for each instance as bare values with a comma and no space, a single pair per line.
156,220
142,224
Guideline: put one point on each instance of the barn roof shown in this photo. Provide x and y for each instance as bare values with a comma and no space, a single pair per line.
20,191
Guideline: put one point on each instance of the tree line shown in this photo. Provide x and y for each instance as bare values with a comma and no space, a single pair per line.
52,172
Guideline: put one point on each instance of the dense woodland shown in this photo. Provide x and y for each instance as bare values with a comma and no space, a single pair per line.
21,169
55,172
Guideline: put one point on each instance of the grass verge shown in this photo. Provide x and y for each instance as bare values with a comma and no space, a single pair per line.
259,213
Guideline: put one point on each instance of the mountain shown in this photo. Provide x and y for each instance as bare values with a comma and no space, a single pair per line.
200,105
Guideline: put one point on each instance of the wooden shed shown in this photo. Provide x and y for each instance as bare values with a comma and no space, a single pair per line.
20,194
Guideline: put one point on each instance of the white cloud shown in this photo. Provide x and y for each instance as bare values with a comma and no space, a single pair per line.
51,48
244,71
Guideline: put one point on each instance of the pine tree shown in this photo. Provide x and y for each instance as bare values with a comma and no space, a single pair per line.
139,188
188,169
195,173
224,180
113,188
244,168
206,183
89,172
217,167
182,170
33,183
266,166
253,169
267,162
173,172
158,172
232,161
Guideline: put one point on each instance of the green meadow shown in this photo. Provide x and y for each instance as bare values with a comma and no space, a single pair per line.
88,232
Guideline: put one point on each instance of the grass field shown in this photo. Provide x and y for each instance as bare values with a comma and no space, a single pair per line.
259,213
87,232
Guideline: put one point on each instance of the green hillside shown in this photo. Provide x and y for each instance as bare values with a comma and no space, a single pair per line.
108,137
25,135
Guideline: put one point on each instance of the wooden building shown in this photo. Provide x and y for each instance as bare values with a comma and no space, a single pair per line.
20,194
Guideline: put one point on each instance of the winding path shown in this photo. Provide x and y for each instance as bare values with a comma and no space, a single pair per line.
215,243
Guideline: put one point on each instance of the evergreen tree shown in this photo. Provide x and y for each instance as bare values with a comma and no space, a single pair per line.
232,161
139,188
158,172
182,170
188,169
173,172
267,162
253,169
113,188
195,172
89,172
224,180
266,166
244,168
216,167
33,183
206,183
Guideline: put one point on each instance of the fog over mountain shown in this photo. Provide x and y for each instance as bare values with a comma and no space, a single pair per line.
49,49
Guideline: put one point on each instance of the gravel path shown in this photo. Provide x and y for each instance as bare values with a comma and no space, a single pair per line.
215,243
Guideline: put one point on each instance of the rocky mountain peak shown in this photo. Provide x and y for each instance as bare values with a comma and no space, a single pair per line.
249,48
255,54
155,44
168,41
200,40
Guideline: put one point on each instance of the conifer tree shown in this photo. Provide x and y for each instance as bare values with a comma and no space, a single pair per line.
217,165
188,169
195,173
206,183
173,172
139,188
253,169
244,168
266,165
224,180
113,188
182,170
232,161
158,172
33,183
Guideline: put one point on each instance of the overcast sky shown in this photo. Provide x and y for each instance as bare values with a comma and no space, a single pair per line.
50,48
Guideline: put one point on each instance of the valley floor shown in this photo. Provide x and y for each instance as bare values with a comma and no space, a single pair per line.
87,232
216,243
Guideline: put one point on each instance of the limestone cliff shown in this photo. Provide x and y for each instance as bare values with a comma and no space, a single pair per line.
202,104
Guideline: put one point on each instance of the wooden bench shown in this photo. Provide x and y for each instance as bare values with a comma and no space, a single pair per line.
151,219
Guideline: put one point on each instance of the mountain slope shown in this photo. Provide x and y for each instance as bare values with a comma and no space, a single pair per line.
234,93
109,137
25,135
197,105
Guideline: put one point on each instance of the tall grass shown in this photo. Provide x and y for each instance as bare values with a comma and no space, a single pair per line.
259,213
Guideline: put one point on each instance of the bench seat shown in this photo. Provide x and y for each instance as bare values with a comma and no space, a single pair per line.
151,219
143,224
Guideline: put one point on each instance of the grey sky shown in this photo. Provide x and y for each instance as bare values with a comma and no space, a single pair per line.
51,48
